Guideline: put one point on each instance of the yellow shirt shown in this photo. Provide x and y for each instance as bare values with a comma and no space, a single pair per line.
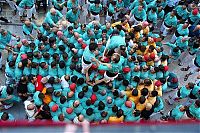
140,106
159,90
150,88
146,30
128,93
140,87
151,100
135,99
113,119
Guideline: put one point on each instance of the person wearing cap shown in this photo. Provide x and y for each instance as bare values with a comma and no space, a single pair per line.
69,113
28,5
28,28
73,15
133,116
194,110
94,10
52,17
138,15
194,16
54,109
4,116
170,22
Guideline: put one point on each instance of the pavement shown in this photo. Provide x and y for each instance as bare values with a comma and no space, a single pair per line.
18,110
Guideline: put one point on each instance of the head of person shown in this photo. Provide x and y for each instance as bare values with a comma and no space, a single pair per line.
74,10
53,11
61,117
89,111
136,113
148,106
119,113
115,58
190,85
5,116
93,47
144,92
134,92
173,13
142,100
197,103
140,8
27,23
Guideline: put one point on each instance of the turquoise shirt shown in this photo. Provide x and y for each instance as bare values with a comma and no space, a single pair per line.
131,118
31,88
136,3
4,40
70,5
181,44
28,30
160,106
195,111
26,3
53,19
184,92
120,4
170,21
176,113
198,57
181,31
43,72
194,18
182,13
36,99
95,9
53,71
127,110
161,14
139,14
88,55
115,42
27,71
111,8
72,17
152,17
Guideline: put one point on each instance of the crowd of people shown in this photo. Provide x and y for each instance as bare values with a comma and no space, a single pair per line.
115,71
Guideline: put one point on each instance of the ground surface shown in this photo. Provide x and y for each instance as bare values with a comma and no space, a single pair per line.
15,27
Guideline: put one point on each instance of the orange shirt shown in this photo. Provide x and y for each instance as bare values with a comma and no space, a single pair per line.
113,119
140,106
47,99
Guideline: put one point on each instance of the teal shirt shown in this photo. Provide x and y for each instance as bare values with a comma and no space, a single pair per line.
184,92
136,3
181,31
115,42
152,17
120,5
28,30
53,71
72,17
194,18
131,118
25,3
43,72
50,19
181,44
139,14
182,13
160,14
4,40
27,71
111,8
70,5
88,55
170,21
95,9
31,88
36,99
176,113
195,111
160,106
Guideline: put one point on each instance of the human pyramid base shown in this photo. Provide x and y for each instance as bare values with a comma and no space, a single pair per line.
103,73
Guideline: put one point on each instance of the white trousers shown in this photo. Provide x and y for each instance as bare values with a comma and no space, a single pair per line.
173,39
84,66
95,17
132,19
164,29
108,18
108,79
30,12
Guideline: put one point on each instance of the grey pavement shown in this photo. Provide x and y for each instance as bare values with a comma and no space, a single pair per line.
18,109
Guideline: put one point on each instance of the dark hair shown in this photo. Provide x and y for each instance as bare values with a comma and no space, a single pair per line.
74,79
197,102
5,116
51,80
101,105
142,99
52,40
120,113
115,93
9,90
46,107
125,82
80,81
89,111
88,102
63,99
11,64
81,95
62,64
114,108
144,92
53,64
93,46
95,88
104,114
41,95
147,82
136,79
135,92
137,113
154,93
120,77
70,28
